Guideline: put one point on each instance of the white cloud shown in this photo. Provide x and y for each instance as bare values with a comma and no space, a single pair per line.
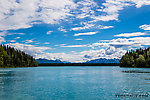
17,38
85,8
108,49
46,43
130,34
140,3
13,41
141,40
23,14
145,27
109,53
2,39
62,56
106,17
37,43
15,33
78,39
87,26
60,45
110,8
49,32
29,49
28,41
105,27
62,29
70,46
88,33
124,43
5,33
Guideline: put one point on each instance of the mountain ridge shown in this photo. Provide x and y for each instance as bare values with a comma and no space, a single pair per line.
100,60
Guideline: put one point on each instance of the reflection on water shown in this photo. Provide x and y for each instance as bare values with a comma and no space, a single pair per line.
78,83
147,78
135,71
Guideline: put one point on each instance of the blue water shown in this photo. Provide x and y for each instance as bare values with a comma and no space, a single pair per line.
74,83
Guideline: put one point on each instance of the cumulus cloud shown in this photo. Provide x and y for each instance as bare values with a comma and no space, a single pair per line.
88,33
140,3
106,17
105,27
145,27
62,56
5,33
29,49
88,26
2,39
17,38
49,32
15,33
110,8
130,34
141,40
109,53
108,11
117,43
25,13
78,39
62,29
108,49
28,41
70,46
125,43
13,41
60,45
46,43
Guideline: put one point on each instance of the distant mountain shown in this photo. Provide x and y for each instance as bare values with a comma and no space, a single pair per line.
41,61
103,60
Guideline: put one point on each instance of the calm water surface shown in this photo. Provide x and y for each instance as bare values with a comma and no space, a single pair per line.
78,83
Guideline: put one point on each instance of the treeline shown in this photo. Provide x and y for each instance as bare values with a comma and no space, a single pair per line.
11,57
137,58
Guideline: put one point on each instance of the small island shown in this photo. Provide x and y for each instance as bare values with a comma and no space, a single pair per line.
140,58
11,57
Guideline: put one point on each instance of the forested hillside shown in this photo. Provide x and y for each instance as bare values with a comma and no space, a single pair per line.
10,57
138,58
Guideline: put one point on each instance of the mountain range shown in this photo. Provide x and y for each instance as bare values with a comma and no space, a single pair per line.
101,60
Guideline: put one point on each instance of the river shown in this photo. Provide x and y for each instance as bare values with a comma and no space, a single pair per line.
75,83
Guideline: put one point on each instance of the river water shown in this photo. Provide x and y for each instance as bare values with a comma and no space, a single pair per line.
74,83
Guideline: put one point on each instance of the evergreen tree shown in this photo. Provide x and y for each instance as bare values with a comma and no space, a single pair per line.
10,57
138,58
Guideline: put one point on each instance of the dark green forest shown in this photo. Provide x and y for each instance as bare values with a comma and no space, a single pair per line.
137,58
11,57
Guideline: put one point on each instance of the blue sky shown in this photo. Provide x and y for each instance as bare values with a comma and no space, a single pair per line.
75,30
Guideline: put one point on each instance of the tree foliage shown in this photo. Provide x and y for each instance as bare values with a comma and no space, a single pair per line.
138,58
11,57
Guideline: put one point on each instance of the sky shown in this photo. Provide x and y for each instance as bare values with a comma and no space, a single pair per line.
75,30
